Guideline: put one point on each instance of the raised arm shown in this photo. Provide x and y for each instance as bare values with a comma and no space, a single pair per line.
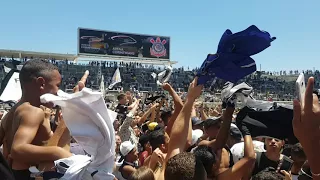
223,133
154,112
203,114
123,131
1,132
242,169
178,104
158,109
147,114
132,105
23,150
180,127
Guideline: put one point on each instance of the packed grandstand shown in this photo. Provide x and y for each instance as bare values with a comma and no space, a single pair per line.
276,86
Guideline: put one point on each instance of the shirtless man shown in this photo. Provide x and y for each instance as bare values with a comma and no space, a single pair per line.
24,129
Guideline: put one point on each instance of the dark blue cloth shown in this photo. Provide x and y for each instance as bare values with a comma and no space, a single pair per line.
232,60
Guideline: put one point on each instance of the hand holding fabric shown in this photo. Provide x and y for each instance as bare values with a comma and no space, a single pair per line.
166,86
228,98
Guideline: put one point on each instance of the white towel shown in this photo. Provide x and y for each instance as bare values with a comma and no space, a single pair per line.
91,125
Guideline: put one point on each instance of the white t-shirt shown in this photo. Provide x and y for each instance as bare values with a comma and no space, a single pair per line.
237,150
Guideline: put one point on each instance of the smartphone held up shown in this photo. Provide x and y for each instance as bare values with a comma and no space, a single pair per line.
300,88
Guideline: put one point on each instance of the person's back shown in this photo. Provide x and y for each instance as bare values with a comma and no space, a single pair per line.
25,128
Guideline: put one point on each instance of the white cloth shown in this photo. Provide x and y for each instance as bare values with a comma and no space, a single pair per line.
12,91
76,149
91,125
237,150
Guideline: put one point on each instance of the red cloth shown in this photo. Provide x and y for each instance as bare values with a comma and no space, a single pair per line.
142,157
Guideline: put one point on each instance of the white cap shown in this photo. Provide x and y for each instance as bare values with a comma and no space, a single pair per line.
126,147
196,134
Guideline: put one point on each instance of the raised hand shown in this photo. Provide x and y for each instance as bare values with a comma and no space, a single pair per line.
286,174
306,120
82,83
166,86
194,90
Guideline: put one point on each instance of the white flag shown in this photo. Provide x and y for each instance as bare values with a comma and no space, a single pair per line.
164,76
102,88
19,67
6,69
154,75
115,79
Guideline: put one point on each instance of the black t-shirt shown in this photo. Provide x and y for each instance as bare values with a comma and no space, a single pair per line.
122,111
263,162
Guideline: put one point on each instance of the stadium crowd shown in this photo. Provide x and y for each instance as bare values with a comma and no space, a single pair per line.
159,137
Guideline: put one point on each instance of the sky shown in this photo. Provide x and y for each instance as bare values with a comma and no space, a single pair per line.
195,27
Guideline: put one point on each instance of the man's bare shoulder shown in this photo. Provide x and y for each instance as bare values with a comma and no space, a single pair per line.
25,110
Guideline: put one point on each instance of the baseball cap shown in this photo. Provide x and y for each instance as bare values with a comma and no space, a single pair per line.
126,147
196,121
211,122
196,134
235,132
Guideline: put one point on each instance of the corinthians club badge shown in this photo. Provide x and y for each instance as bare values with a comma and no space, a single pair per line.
158,49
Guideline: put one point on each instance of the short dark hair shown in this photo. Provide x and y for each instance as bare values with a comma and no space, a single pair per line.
121,96
156,138
268,174
143,173
185,166
36,68
206,156
297,150
165,115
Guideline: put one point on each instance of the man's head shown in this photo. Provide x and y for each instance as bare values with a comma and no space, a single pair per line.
211,127
274,145
38,77
235,135
297,154
122,99
159,139
144,142
128,151
185,166
207,157
165,116
268,174
197,123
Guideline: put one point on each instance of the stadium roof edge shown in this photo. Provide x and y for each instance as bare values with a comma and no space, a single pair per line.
34,54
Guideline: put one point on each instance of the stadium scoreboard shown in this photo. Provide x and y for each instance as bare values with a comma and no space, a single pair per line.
110,43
